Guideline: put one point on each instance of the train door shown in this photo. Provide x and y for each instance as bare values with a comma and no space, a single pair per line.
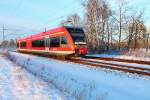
47,43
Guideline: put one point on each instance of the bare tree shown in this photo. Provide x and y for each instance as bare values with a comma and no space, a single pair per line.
148,39
72,20
120,29
121,16
5,44
95,25
137,31
75,20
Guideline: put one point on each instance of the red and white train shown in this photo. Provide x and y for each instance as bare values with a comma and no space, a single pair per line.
60,41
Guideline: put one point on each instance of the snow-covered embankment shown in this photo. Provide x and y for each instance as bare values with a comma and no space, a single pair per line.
82,82
18,84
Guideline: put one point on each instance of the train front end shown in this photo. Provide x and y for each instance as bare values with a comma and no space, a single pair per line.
79,40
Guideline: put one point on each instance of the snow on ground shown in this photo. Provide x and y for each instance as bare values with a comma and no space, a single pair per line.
120,57
18,84
85,83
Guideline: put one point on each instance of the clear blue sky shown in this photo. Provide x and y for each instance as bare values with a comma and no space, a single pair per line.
38,14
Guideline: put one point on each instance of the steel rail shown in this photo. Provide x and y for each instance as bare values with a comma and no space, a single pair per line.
118,59
124,68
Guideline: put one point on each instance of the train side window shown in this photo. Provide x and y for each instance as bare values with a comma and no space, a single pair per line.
64,40
23,44
55,42
38,43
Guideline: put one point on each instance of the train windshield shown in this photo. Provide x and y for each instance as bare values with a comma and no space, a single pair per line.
77,34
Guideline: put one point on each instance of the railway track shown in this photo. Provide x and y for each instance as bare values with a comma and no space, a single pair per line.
97,62
119,67
118,59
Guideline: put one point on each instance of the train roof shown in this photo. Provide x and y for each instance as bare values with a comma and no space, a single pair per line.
47,32
42,33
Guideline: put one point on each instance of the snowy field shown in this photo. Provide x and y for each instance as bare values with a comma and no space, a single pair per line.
85,83
18,84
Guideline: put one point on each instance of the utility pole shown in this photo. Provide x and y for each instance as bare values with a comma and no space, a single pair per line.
3,31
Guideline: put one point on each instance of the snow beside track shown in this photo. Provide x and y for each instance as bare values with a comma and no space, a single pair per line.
18,84
85,83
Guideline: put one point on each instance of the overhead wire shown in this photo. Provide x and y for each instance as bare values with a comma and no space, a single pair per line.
65,15
62,16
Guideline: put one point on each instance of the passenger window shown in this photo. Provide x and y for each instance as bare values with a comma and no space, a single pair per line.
64,40
55,42
38,43
23,44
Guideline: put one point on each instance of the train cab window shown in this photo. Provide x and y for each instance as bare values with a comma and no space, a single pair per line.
23,44
55,42
78,38
38,43
77,34
64,40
